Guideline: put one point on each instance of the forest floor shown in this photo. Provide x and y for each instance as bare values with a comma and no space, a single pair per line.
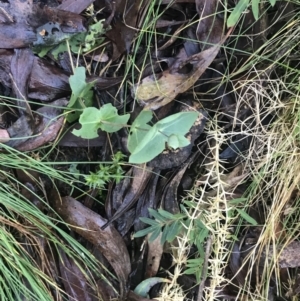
149,150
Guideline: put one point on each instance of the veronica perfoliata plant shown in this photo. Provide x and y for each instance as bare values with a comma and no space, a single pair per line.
145,141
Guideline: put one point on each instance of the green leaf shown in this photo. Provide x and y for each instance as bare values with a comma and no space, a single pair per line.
146,231
177,124
155,234
42,50
77,82
90,123
236,13
237,201
106,118
144,287
166,214
151,146
247,217
200,237
190,204
91,38
199,224
174,230
165,232
178,141
149,221
82,95
154,141
138,129
173,142
195,267
196,262
73,169
203,235
191,271
110,120
273,2
255,8
157,216
201,251
83,41
75,43
230,213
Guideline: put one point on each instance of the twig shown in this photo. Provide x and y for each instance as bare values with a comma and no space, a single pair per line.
204,270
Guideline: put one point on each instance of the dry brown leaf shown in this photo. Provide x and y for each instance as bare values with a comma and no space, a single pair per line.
20,19
75,6
155,251
4,136
75,282
133,189
25,136
88,224
287,256
210,27
154,92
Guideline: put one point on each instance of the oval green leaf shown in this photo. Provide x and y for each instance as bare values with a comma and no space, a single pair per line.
144,287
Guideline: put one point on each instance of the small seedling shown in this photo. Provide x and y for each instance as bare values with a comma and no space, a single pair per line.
107,173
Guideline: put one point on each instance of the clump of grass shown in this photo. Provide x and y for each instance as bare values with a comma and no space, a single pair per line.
31,239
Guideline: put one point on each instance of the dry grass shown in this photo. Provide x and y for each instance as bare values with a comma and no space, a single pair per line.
271,169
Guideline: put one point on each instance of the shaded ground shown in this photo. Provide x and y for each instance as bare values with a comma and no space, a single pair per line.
168,57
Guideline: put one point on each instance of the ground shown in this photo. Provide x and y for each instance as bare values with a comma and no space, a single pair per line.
150,150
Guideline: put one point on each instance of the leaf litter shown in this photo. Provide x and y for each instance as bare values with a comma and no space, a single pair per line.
189,99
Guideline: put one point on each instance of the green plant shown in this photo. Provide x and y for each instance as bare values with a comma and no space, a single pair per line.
240,8
77,43
145,142
30,237
171,226
107,172
82,95
106,118
164,222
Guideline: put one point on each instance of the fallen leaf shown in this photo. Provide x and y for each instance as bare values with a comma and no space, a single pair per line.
75,283
75,6
48,82
169,199
25,137
21,66
4,136
210,28
89,225
15,32
123,31
155,251
286,256
156,91
23,18
139,179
